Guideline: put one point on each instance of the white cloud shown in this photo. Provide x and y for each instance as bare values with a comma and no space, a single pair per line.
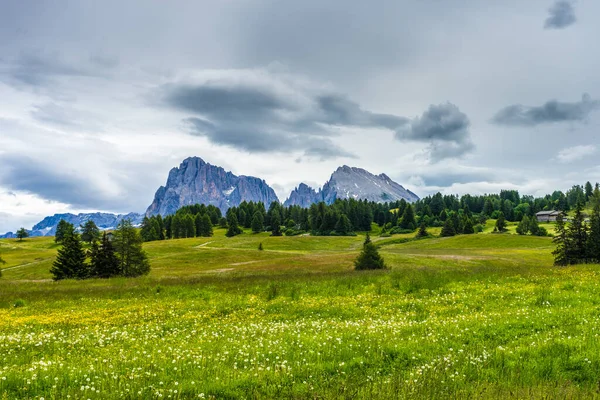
575,153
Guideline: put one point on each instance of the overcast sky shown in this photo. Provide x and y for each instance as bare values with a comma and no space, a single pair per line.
100,99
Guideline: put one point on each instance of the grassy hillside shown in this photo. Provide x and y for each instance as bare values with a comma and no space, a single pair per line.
478,316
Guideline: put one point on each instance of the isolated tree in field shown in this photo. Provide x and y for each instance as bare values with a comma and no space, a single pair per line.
422,232
501,222
89,231
523,227
128,247
561,256
369,257
260,246
234,228
22,234
257,222
70,260
63,228
535,229
206,229
448,229
104,262
276,225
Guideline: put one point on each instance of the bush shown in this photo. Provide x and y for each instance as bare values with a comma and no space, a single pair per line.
397,230
19,303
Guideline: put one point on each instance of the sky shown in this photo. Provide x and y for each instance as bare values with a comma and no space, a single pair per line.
99,100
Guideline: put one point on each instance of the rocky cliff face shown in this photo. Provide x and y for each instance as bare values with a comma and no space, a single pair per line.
197,182
104,221
352,183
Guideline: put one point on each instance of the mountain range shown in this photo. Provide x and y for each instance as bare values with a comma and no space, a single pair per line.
198,182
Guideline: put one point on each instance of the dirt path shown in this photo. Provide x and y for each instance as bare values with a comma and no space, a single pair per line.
26,265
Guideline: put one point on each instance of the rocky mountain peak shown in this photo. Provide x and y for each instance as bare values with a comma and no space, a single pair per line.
198,182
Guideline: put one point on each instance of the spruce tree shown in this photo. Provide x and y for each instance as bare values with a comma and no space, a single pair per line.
234,228
63,228
577,232
448,229
408,218
104,261
523,227
128,247
275,225
257,222
70,260
190,226
501,222
422,231
89,231
343,226
369,257
593,244
468,228
206,228
534,227
561,253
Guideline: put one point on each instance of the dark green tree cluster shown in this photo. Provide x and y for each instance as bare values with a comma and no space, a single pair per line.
189,221
89,231
435,209
120,256
578,241
529,225
152,228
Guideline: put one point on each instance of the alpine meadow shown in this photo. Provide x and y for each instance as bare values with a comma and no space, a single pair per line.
315,199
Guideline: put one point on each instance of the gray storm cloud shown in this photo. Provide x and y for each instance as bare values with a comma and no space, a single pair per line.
561,15
444,127
552,111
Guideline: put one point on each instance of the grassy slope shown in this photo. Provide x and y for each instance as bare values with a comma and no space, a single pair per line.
470,316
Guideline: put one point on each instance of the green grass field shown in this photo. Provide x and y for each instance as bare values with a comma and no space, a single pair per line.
477,316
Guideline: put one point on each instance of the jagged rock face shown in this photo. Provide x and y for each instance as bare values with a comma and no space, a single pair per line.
197,182
352,183
104,221
303,196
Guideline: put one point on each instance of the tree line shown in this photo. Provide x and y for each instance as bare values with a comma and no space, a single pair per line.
578,241
118,253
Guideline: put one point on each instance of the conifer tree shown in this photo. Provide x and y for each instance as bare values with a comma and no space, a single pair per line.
206,228
343,225
408,218
104,261
62,229
275,225
234,228
128,247
422,230
523,227
468,228
577,232
190,226
448,229
70,260
561,253
501,222
369,258
593,244
257,222
89,231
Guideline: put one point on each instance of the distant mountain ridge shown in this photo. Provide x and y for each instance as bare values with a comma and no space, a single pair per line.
198,182
352,183
104,221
